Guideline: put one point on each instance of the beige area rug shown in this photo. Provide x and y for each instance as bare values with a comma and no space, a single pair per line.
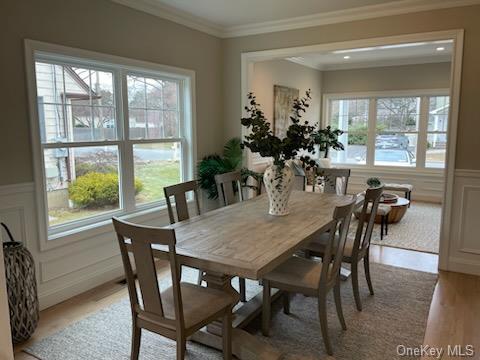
419,229
395,315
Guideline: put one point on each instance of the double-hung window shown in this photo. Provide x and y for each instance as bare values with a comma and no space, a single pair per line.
408,129
111,137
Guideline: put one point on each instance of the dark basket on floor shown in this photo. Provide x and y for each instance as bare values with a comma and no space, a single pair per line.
21,289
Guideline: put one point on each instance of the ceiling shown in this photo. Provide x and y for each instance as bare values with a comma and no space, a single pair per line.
227,13
400,54
229,18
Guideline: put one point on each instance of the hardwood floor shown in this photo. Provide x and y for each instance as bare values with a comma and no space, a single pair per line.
454,317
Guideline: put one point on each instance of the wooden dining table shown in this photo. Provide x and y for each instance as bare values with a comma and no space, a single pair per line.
244,240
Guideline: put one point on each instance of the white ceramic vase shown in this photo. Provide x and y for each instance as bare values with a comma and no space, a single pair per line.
279,184
325,163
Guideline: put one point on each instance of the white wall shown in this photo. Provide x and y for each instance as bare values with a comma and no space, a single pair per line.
6,352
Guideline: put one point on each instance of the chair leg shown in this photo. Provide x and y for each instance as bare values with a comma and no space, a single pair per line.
356,293
243,289
181,348
266,308
386,224
136,340
338,304
366,265
286,303
382,223
227,335
322,314
200,277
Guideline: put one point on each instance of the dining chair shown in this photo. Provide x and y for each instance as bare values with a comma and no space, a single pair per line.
227,185
358,248
331,177
179,193
179,310
312,278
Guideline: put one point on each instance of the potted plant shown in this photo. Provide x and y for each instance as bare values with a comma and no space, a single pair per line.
327,139
278,178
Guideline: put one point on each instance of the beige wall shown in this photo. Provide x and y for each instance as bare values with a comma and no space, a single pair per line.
405,77
6,352
285,73
456,18
102,26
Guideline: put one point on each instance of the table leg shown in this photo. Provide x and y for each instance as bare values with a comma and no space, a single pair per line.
245,346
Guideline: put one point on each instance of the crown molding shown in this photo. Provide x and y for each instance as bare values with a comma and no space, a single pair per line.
155,8
354,14
375,63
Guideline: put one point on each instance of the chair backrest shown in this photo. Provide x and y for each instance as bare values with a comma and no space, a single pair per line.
370,205
300,180
332,259
179,192
227,185
138,240
331,176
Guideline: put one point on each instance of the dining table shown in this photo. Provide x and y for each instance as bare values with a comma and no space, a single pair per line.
244,240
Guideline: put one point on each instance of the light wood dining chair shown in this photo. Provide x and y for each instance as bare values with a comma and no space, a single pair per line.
227,185
312,278
179,193
358,248
179,310
330,180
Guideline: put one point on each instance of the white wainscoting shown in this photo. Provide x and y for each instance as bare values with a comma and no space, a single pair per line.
68,270
427,185
464,251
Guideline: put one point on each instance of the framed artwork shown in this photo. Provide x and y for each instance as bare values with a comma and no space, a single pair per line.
283,97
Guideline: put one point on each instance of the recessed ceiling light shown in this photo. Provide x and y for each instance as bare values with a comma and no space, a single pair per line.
346,57
440,48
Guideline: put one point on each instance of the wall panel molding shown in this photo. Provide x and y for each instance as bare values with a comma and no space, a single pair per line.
464,254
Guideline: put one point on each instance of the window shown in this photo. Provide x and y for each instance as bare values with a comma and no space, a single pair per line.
111,137
351,116
438,109
390,130
397,131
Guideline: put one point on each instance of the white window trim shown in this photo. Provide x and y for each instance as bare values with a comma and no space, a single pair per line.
84,229
372,97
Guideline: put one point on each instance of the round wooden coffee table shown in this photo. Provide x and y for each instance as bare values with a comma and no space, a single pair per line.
397,212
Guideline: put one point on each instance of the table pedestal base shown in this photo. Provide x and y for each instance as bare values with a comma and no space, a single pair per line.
245,346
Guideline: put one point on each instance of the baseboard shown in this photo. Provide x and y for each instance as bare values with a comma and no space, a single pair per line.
57,295
464,266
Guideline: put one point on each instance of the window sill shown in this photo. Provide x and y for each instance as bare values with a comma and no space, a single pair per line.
103,227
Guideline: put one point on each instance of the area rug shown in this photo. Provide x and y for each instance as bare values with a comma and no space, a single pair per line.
395,315
418,230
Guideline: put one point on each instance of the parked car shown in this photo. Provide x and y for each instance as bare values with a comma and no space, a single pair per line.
394,157
397,141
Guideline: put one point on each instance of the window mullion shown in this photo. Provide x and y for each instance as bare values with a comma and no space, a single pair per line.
127,181
422,132
371,133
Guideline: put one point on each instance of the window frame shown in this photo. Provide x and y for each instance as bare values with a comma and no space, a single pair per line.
423,94
120,67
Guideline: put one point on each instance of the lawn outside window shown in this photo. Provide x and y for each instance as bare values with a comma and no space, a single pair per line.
111,137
